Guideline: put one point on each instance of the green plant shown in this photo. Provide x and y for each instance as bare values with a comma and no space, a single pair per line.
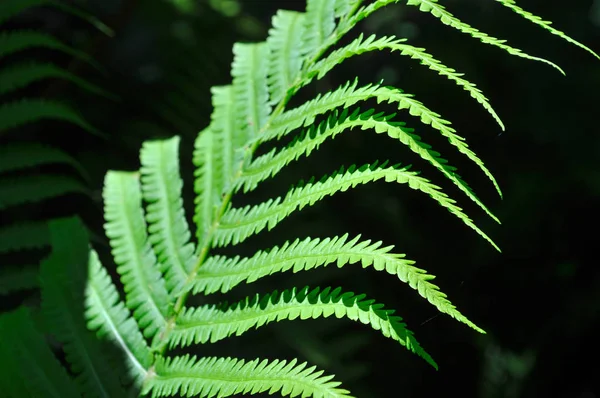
159,265
32,170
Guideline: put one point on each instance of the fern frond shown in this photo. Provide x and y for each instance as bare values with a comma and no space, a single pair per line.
10,8
438,11
21,75
226,377
206,182
62,277
18,156
432,7
223,274
361,45
24,236
348,95
344,7
168,228
228,130
237,224
251,93
512,4
35,188
211,324
107,316
285,44
146,294
305,114
18,113
25,353
16,278
15,41
319,25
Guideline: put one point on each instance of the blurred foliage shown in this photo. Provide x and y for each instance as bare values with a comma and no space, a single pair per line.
539,300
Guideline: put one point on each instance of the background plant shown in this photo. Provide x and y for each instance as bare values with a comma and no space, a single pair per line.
36,173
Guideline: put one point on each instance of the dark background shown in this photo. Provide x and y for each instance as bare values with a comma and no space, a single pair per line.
539,300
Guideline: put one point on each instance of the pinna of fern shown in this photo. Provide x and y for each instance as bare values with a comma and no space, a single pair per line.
159,264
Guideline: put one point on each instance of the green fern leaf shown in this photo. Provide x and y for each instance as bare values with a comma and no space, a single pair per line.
62,276
146,294
348,95
319,25
226,377
207,183
223,274
17,278
391,43
28,355
344,7
209,323
169,231
432,7
108,317
544,24
31,189
18,113
249,71
285,44
237,224
270,164
438,11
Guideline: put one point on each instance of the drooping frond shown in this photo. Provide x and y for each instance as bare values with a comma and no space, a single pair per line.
14,278
222,274
432,7
18,113
361,45
168,228
210,323
237,224
21,75
35,188
29,369
107,316
226,377
23,236
15,41
10,8
146,294
18,156
62,280
348,95
512,4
